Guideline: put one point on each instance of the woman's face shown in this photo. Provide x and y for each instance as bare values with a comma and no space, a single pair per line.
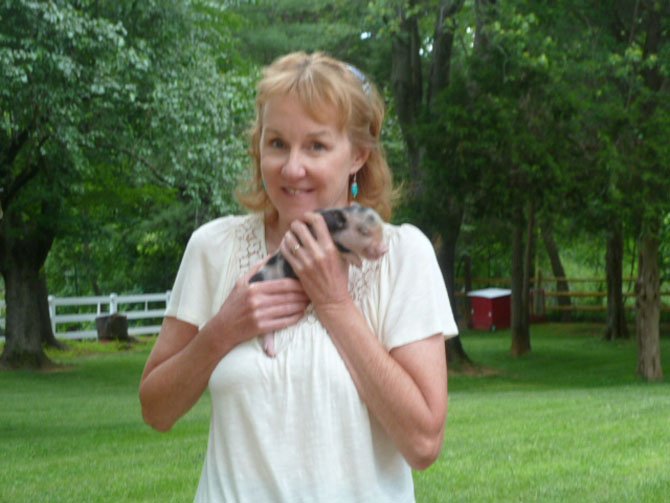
305,164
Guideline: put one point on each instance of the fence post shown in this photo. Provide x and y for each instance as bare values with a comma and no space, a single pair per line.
538,301
52,312
113,306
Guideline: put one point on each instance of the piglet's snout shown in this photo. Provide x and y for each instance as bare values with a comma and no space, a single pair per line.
375,252
377,248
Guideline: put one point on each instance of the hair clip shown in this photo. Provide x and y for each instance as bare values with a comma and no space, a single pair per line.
365,84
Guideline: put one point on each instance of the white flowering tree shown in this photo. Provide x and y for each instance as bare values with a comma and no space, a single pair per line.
138,88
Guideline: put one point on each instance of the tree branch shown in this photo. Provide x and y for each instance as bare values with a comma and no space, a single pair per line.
152,168
443,41
407,85
15,145
31,171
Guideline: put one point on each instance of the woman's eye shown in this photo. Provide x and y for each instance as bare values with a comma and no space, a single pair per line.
316,146
276,143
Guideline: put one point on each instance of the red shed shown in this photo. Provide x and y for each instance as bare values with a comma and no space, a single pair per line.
491,308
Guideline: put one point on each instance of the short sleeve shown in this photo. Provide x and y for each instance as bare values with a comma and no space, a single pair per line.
208,270
193,289
414,303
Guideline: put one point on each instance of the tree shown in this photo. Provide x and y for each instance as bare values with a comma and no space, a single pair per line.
637,35
89,85
651,174
590,82
557,268
47,48
617,327
514,74
419,77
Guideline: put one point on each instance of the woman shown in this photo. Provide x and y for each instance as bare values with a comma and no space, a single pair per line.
357,393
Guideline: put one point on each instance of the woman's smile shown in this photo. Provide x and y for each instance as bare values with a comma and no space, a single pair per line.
295,192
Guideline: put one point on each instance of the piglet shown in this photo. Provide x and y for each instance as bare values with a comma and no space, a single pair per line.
357,232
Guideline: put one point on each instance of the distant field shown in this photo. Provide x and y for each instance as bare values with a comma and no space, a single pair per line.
570,422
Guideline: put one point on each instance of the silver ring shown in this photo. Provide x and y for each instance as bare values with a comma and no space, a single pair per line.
295,249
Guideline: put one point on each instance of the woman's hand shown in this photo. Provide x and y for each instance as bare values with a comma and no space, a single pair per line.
316,261
254,309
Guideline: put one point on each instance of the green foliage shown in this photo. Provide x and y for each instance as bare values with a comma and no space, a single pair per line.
489,137
147,107
121,237
122,129
554,108
338,27
623,115
59,69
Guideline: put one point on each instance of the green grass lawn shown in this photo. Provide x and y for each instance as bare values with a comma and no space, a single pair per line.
570,422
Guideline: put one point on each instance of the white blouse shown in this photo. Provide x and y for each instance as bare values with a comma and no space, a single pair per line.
293,428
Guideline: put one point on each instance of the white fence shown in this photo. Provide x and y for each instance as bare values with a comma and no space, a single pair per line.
74,317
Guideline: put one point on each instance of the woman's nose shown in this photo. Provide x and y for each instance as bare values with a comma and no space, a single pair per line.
294,167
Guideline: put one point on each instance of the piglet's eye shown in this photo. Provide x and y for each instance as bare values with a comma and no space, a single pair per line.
363,229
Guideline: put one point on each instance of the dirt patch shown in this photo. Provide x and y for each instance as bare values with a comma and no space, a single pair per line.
45,368
57,368
474,371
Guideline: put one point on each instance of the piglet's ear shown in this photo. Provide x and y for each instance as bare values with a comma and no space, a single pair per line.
335,219
340,217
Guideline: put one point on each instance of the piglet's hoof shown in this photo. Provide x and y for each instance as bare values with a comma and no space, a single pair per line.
269,345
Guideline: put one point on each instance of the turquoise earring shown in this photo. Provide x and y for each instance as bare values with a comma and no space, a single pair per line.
354,188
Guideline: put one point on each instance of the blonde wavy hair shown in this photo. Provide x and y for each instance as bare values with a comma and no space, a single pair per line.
322,83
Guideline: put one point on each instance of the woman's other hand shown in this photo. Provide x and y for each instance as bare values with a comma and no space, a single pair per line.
254,309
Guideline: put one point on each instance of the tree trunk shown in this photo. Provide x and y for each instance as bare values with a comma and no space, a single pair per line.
529,259
558,271
25,322
485,13
443,42
408,94
616,313
648,304
520,315
28,324
447,258
451,226
407,85
648,299
467,287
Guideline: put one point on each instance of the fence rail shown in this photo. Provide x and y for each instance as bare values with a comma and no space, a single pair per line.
74,317
78,320
591,296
